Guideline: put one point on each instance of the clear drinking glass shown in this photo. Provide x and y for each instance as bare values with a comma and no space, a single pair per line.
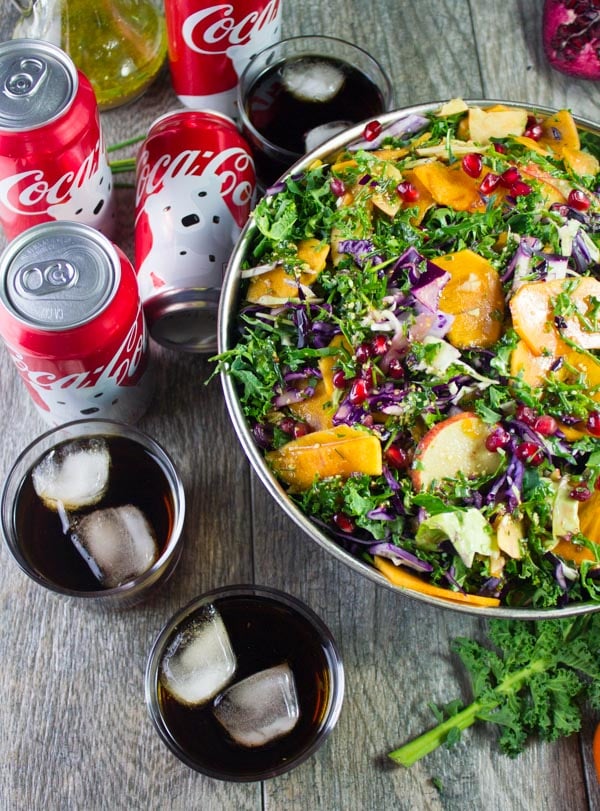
41,516
264,629
295,94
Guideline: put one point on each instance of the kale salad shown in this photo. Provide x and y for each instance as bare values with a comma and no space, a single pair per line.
417,351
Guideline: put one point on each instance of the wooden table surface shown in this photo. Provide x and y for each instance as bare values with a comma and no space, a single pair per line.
75,733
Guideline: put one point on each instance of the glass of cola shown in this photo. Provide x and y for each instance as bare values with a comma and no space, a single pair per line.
93,510
301,91
244,683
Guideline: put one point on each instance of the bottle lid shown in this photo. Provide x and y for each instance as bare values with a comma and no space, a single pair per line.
38,82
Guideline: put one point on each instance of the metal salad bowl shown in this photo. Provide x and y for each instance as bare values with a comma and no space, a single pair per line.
228,313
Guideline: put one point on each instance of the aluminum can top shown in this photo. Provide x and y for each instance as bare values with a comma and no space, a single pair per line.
38,82
58,275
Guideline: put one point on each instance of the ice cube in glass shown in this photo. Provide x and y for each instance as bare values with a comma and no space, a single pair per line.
260,708
117,543
74,475
200,661
312,79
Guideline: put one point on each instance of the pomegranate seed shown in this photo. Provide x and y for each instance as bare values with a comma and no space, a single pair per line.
362,353
379,345
338,187
300,429
472,164
526,414
396,457
546,425
530,452
578,200
499,438
287,425
372,130
395,369
489,183
343,522
593,423
407,191
520,189
510,176
339,379
533,129
581,492
500,148
358,392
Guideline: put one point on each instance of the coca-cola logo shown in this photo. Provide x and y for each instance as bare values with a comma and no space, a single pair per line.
33,191
215,29
233,167
125,368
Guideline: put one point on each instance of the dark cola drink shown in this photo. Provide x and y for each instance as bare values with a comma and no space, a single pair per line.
63,537
297,103
245,684
285,108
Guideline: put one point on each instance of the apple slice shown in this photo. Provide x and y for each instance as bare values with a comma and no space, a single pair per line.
455,445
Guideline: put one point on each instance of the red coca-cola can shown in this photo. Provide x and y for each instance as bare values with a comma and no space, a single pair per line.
194,189
53,164
211,43
72,319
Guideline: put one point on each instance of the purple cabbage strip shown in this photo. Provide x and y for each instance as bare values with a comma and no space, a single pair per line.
290,396
449,576
427,281
396,553
427,288
263,435
490,588
521,259
361,250
580,253
559,571
508,487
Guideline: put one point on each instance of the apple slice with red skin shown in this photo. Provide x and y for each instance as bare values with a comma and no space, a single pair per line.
455,445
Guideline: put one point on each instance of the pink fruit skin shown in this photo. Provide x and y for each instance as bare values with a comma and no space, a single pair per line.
571,37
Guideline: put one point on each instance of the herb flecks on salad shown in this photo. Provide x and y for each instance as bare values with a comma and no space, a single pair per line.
418,352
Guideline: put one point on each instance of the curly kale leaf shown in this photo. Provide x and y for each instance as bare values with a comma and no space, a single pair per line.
532,679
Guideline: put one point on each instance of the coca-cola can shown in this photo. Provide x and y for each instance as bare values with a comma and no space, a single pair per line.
194,190
72,319
211,43
53,163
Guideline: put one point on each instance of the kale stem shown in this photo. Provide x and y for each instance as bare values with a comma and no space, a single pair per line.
425,744
122,165
122,144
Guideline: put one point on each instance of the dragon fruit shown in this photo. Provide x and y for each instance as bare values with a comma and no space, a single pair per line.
571,37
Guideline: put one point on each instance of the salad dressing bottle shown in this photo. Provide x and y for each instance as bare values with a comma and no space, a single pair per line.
120,45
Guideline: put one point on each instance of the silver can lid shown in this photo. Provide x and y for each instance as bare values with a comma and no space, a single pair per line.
58,275
184,319
38,82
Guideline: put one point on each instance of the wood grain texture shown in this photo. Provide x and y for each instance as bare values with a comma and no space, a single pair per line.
76,734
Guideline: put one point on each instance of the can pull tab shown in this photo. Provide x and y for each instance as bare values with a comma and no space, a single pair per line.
24,77
43,278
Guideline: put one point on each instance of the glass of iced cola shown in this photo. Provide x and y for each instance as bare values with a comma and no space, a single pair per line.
244,683
94,510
